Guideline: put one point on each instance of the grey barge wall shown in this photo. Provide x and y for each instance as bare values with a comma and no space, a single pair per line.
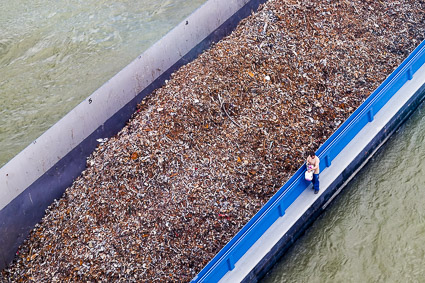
41,172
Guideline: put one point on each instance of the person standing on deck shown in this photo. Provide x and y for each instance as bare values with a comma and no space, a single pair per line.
313,165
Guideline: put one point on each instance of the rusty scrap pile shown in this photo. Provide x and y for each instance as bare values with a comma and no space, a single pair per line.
203,153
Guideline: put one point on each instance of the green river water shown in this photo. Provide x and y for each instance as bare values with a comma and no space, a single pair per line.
375,230
53,54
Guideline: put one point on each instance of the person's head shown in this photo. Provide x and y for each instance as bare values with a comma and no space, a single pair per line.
311,153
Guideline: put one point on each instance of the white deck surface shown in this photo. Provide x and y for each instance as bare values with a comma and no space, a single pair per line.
270,238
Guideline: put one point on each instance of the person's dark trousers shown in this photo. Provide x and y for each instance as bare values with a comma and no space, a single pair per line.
315,182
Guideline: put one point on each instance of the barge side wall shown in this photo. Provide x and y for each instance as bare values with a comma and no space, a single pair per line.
31,181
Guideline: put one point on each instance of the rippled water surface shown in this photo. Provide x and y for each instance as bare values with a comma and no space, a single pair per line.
53,54
375,230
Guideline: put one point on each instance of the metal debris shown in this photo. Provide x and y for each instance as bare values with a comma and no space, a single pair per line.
203,153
